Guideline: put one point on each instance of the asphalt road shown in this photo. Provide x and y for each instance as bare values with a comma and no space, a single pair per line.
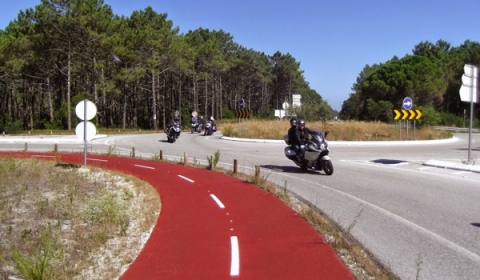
421,221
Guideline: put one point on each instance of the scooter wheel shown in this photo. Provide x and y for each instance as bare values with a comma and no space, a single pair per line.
328,167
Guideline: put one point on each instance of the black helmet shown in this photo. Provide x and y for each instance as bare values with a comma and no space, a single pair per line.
301,123
293,122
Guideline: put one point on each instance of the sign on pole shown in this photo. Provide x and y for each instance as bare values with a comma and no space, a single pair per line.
296,100
468,93
407,103
86,131
241,105
407,114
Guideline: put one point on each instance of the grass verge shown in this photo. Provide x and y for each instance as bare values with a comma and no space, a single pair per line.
60,221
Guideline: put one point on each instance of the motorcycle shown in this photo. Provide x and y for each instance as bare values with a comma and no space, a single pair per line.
316,153
210,128
173,132
197,127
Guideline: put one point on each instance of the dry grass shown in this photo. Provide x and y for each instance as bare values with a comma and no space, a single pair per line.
64,222
339,131
276,129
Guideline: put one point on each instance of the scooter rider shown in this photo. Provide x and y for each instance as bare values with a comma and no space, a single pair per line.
302,132
294,138
214,125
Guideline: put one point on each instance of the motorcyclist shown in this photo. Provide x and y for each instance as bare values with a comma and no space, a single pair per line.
176,121
292,134
302,134
294,138
214,125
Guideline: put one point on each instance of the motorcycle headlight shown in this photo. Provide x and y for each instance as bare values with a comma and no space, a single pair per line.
322,147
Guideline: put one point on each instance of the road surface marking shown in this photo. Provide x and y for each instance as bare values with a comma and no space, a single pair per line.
95,159
461,172
425,168
235,266
185,178
40,156
220,204
143,166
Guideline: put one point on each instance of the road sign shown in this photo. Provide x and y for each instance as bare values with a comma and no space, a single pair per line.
86,131
86,110
86,113
468,90
280,113
407,114
407,103
296,100
194,114
241,105
242,114
285,105
86,134
466,94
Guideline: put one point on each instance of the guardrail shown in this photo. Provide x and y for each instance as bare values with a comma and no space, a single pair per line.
456,129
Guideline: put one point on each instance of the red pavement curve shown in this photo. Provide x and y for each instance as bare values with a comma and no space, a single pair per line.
195,238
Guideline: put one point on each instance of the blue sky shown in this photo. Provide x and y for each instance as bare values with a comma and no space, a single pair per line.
333,40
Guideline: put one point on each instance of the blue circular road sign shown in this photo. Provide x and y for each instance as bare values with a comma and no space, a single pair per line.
407,103
242,104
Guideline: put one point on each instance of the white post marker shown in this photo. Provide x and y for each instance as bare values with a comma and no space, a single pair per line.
86,131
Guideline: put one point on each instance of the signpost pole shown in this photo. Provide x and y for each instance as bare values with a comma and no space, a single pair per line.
414,132
471,121
468,93
408,127
400,130
85,133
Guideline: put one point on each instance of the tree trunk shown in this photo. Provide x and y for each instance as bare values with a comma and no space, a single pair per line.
50,101
154,103
103,101
206,96
221,98
69,113
195,95
124,107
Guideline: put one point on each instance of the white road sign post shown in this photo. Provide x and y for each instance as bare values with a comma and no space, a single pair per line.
85,130
468,93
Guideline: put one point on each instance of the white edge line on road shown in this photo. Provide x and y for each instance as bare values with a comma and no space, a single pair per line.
398,168
235,265
40,156
185,178
220,204
96,159
425,168
447,243
461,172
143,166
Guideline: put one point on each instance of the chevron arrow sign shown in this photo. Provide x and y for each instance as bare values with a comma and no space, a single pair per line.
407,114
242,114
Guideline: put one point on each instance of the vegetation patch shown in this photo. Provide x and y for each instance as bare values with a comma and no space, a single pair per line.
71,222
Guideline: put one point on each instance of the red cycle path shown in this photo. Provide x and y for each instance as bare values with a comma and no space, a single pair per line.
191,239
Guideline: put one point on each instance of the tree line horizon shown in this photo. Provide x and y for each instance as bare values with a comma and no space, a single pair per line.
140,69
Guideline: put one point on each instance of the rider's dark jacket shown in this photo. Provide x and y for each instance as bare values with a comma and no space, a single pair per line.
294,136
